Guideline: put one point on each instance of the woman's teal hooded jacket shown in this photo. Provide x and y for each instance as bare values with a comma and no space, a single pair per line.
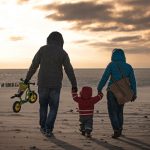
117,60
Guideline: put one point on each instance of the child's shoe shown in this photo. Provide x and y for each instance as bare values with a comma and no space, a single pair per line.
83,133
88,133
49,133
43,130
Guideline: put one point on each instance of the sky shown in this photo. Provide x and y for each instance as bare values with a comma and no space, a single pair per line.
91,30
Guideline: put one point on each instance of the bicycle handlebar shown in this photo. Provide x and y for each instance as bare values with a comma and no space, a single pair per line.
33,83
16,95
19,95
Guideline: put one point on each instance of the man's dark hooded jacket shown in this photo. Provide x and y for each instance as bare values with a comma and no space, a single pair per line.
51,58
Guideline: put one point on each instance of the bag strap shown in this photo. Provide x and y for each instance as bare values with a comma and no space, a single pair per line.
122,74
120,70
115,81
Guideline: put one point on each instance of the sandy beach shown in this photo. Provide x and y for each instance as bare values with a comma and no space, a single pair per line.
20,131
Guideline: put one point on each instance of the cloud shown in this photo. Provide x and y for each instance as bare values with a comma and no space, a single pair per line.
126,38
81,41
16,38
128,17
1,28
136,3
81,11
22,1
131,48
137,18
97,17
138,50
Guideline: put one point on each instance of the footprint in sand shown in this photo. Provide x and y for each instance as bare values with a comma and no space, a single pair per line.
34,148
17,130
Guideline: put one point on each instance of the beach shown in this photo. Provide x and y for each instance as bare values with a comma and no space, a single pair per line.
20,131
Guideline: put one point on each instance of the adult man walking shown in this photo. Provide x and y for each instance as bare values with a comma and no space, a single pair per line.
51,58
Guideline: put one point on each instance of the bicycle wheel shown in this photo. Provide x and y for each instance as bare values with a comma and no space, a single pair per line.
16,106
33,97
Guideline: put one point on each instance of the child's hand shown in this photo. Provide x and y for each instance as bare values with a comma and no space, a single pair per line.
100,94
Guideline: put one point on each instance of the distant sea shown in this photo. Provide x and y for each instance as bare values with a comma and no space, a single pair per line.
85,77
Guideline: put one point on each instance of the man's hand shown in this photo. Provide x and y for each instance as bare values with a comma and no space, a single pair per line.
74,89
26,81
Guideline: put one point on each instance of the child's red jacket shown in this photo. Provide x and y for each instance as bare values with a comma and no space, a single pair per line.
86,101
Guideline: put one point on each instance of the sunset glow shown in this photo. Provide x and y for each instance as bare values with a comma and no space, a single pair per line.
91,29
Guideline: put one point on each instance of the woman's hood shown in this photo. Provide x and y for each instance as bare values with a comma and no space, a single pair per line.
118,55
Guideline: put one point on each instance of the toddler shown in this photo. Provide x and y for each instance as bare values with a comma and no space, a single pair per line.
86,109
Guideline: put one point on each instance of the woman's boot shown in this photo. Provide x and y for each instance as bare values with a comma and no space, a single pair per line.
116,134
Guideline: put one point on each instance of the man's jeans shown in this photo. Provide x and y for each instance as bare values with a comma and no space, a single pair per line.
48,96
115,111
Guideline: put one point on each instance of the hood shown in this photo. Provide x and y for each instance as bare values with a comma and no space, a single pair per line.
118,55
86,92
56,38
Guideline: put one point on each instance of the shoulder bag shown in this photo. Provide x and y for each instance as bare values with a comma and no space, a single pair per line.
121,88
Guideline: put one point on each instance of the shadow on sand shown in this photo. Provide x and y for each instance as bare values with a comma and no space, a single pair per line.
64,144
68,146
135,142
106,145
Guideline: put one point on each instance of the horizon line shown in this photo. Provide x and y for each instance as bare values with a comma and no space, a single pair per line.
73,68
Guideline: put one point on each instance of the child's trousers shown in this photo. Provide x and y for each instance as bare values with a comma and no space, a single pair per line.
86,123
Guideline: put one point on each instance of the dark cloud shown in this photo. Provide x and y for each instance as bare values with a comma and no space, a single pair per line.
136,3
117,28
137,50
97,17
92,15
132,48
81,41
104,28
137,18
81,11
16,38
131,44
127,38
106,45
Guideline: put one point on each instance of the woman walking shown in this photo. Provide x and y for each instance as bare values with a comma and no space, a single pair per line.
115,110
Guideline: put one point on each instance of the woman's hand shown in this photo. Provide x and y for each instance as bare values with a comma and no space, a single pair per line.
133,98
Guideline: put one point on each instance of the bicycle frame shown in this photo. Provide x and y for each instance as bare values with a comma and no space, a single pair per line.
27,94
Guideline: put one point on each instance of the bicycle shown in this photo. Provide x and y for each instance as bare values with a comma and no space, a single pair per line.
30,96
